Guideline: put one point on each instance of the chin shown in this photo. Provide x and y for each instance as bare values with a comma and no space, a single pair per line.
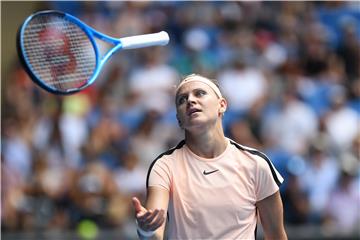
196,125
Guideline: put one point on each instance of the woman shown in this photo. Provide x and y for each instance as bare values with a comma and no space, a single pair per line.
210,186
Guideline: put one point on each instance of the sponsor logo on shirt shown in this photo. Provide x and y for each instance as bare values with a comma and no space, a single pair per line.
210,172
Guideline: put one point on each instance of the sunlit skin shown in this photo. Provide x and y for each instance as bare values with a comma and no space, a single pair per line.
198,106
199,111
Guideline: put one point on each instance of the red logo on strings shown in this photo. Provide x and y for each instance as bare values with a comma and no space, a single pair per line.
57,51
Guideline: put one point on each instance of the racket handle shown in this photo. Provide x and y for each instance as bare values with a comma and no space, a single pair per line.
146,40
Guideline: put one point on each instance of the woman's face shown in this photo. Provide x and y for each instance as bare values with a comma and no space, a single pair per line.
198,105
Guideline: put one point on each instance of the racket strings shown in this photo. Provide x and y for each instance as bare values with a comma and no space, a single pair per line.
60,53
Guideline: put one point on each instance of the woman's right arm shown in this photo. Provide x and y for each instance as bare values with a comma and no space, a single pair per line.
152,216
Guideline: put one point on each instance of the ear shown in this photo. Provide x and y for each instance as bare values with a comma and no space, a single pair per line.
223,105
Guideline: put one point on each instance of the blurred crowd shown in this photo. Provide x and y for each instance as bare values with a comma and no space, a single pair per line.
289,70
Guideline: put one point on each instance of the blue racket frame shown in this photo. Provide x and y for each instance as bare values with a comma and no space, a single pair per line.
89,31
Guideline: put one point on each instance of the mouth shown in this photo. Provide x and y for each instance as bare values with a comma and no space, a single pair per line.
192,111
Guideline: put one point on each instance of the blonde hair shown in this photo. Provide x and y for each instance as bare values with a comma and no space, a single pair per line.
212,83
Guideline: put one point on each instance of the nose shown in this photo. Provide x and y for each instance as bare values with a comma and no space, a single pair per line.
190,99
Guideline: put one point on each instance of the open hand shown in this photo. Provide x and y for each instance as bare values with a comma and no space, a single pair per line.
148,220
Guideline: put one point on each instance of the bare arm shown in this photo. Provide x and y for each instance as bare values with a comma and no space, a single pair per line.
271,216
152,217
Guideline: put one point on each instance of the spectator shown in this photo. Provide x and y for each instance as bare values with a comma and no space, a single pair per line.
319,179
153,81
293,126
129,177
251,83
342,213
342,122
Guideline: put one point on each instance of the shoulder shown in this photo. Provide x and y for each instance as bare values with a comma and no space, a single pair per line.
258,160
170,152
164,159
251,152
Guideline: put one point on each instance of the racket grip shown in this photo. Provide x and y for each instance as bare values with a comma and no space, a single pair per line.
146,40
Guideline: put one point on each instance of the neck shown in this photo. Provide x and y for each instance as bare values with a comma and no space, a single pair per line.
209,144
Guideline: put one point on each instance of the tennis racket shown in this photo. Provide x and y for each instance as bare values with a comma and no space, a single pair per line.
60,54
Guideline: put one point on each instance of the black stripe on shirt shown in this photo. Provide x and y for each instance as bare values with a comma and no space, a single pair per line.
168,152
260,154
255,233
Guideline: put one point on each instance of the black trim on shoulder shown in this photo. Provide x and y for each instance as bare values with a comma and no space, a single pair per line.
255,232
168,152
260,154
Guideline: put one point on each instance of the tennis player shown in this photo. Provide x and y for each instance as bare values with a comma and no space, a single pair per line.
209,186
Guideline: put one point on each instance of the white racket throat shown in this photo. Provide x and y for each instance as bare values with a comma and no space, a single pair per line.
145,40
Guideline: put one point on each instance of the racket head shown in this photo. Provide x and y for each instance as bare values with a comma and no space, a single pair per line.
58,52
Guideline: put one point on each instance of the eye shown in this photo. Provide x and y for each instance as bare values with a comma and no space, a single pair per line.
200,93
181,100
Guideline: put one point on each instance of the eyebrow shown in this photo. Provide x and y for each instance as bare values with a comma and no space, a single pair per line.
185,94
195,89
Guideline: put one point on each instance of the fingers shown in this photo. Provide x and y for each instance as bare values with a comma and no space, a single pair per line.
148,220
151,220
157,221
137,205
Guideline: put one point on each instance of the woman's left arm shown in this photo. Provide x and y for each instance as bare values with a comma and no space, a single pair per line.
271,216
